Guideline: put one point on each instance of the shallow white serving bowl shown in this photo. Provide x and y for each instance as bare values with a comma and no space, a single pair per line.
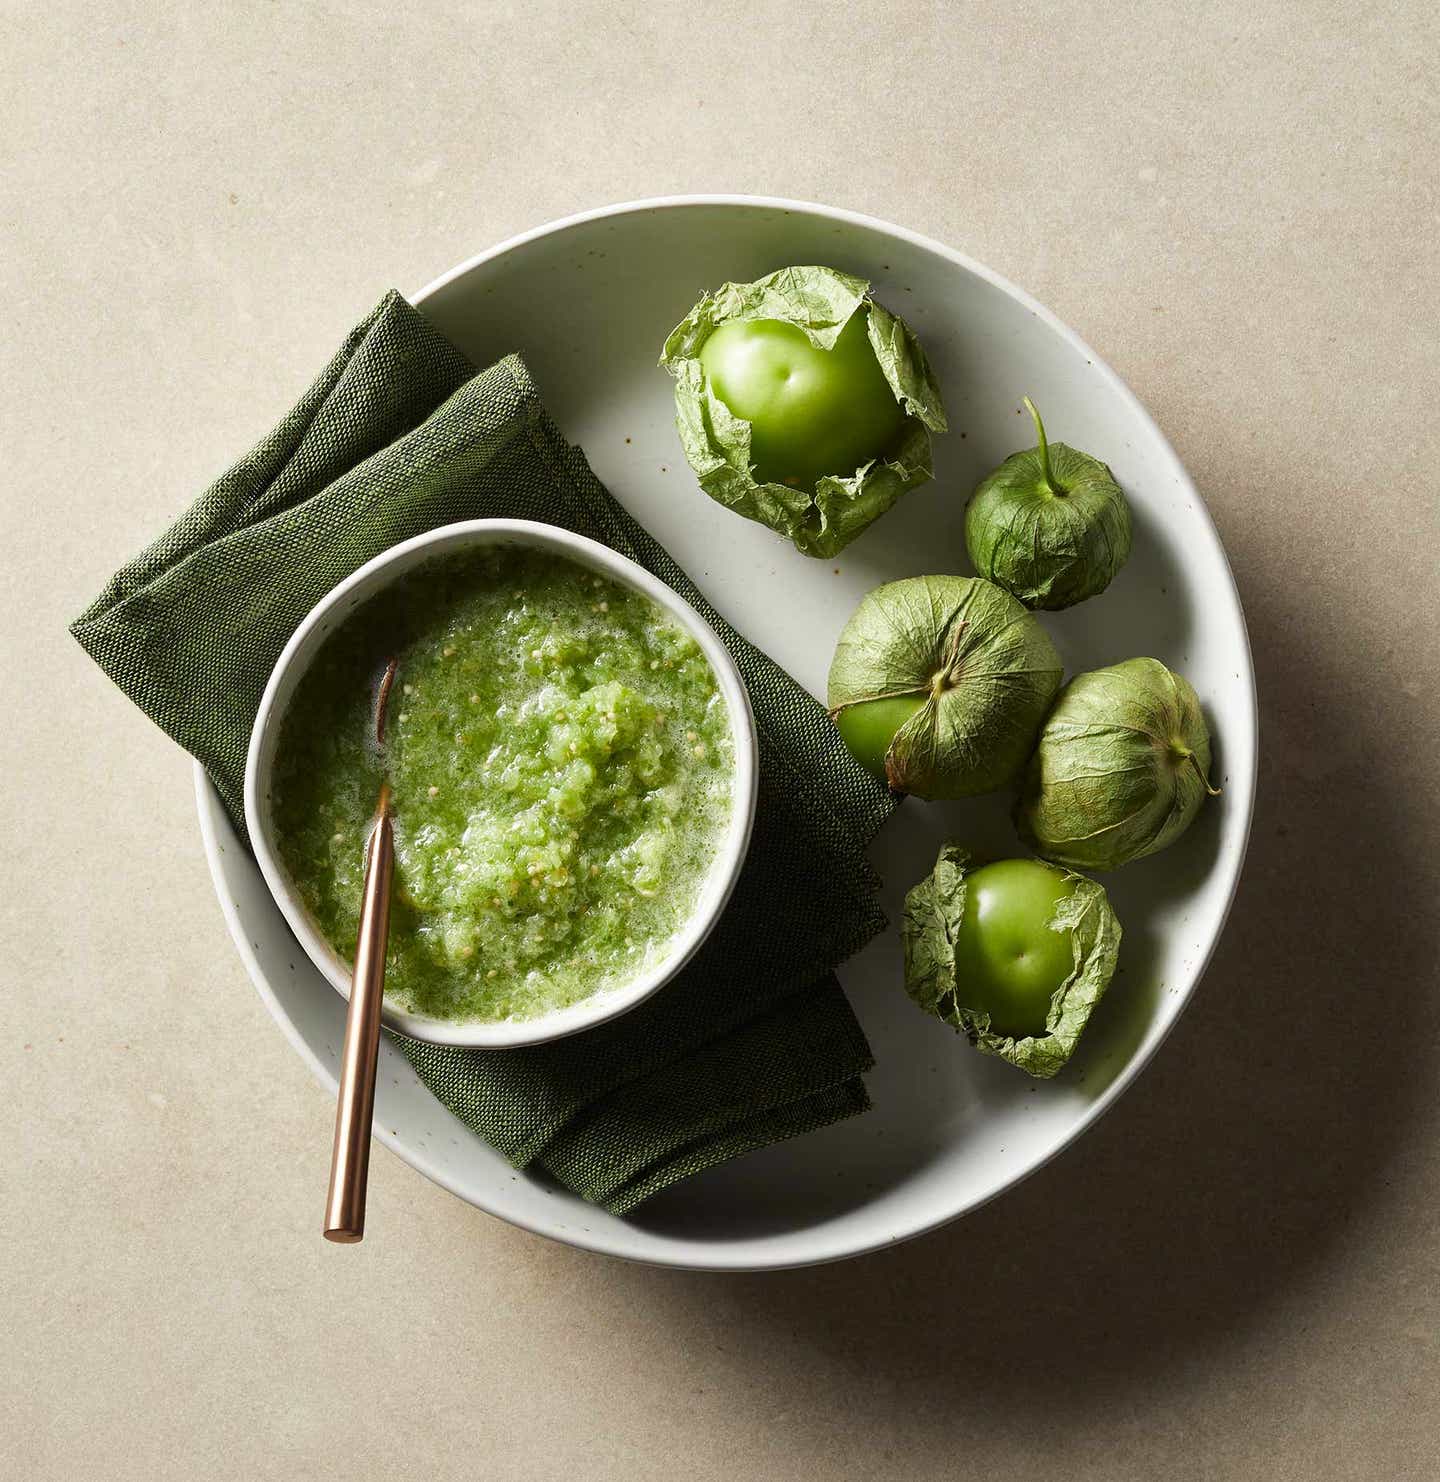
588,301
305,644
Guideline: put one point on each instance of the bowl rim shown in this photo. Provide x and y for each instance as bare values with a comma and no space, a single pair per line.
827,1241
371,578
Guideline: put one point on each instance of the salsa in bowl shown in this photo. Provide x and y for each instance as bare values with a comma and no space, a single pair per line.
571,754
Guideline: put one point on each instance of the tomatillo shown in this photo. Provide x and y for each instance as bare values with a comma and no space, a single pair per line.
1121,769
1050,525
1014,955
939,685
811,412
1008,960
803,403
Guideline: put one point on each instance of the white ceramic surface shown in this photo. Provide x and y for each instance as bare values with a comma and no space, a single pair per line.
301,650
588,301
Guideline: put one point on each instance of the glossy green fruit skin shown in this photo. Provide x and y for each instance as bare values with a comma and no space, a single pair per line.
811,412
1008,963
869,728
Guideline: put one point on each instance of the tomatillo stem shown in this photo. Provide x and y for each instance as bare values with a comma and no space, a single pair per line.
1200,772
1045,469
1186,755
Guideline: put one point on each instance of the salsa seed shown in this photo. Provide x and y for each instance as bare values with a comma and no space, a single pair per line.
446,653
474,699
409,689
433,791
604,607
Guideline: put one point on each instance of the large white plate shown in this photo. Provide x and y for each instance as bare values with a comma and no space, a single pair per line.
587,301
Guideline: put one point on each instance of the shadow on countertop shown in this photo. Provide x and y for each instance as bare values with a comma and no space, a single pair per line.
1243,1156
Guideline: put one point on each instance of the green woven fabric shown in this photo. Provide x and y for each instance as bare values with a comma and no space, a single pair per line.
754,1041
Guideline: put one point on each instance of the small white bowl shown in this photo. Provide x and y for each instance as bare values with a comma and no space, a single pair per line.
359,588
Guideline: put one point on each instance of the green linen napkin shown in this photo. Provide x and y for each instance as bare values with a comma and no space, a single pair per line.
754,1041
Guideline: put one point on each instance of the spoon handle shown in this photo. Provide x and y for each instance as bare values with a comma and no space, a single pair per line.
355,1108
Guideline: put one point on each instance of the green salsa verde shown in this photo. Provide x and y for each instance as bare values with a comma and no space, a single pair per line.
562,766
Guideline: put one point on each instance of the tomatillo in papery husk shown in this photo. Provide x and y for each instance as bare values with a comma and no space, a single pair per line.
1014,955
1121,768
1050,525
939,685
803,404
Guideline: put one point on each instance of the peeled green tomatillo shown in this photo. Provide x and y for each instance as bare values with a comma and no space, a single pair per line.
803,403
811,412
1015,954
1006,956
939,685
1050,525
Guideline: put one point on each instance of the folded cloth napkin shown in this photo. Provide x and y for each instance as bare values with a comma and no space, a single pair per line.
754,1041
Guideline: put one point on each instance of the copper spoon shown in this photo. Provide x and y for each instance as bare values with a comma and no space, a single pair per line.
355,1107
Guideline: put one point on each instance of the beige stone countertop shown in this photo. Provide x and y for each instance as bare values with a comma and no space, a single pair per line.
1237,1274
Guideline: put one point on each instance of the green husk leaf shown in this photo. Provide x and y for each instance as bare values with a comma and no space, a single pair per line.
819,301
986,665
933,912
903,360
1121,769
1050,541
